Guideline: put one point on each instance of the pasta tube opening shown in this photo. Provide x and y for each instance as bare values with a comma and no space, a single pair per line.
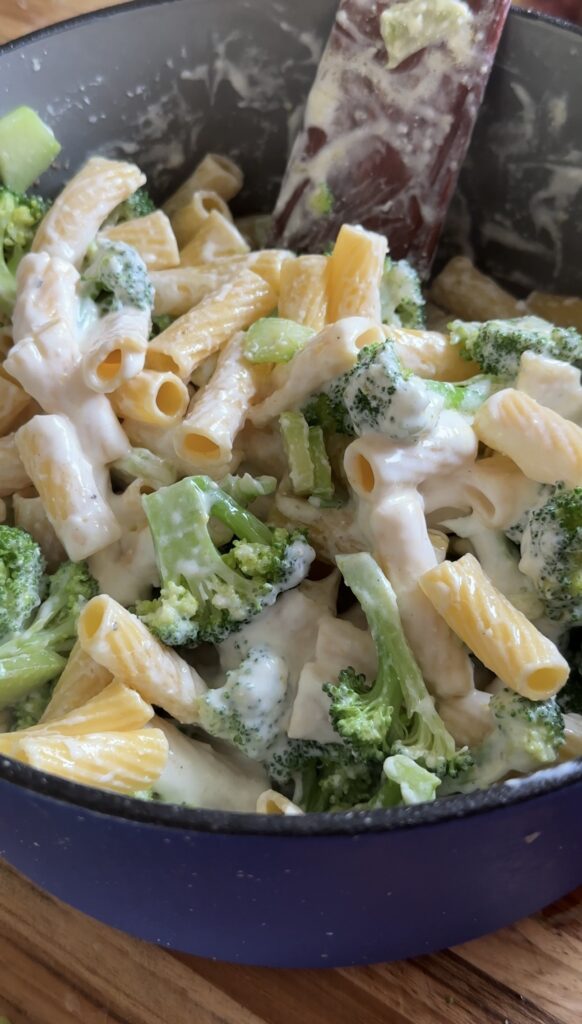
93,617
170,398
109,368
196,445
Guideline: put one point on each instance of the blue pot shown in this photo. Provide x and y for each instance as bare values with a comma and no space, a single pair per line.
319,890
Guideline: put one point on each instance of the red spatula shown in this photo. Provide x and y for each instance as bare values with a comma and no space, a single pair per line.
388,122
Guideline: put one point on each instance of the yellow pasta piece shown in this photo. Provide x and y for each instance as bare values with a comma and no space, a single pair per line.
117,708
271,802
177,291
303,295
29,515
572,737
151,236
430,354
123,762
214,173
218,411
13,475
374,463
65,480
546,447
86,201
194,336
13,401
115,638
471,295
188,219
46,359
80,681
327,355
498,491
119,350
354,273
563,310
500,635
157,398
216,238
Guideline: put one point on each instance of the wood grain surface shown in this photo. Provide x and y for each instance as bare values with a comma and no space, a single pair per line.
59,967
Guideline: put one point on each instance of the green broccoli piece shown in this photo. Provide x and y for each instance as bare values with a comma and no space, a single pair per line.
377,394
403,781
138,205
401,300
396,714
498,345
116,277
206,594
527,735
160,324
28,711
246,488
248,710
20,216
551,554
141,463
33,655
325,776
21,578
321,200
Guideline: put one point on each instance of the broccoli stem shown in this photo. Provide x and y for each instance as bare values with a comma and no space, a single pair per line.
378,602
322,477
469,396
27,148
295,435
224,507
29,664
143,464
275,340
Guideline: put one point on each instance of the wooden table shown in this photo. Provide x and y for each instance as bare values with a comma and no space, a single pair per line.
59,967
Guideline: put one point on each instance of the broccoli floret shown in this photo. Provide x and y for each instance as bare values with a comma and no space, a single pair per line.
401,300
325,776
160,323
527,735
116,277
378,394
20,216
551,555
396,714
249,708
206,594
138,205
498,345
21,578
33,656
30,709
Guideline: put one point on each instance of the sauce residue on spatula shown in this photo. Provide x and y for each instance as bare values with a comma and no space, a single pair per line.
388,121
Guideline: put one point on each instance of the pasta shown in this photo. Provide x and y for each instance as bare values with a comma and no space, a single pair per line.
13,475
13,401
79,211
329,354
470,295
65,480
216,238
151,236
80,681
500,635
353,275
303,291
188,218
116,639
202,331
207,434
160,399
119,351
546,447
214,173
263,496
119,761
